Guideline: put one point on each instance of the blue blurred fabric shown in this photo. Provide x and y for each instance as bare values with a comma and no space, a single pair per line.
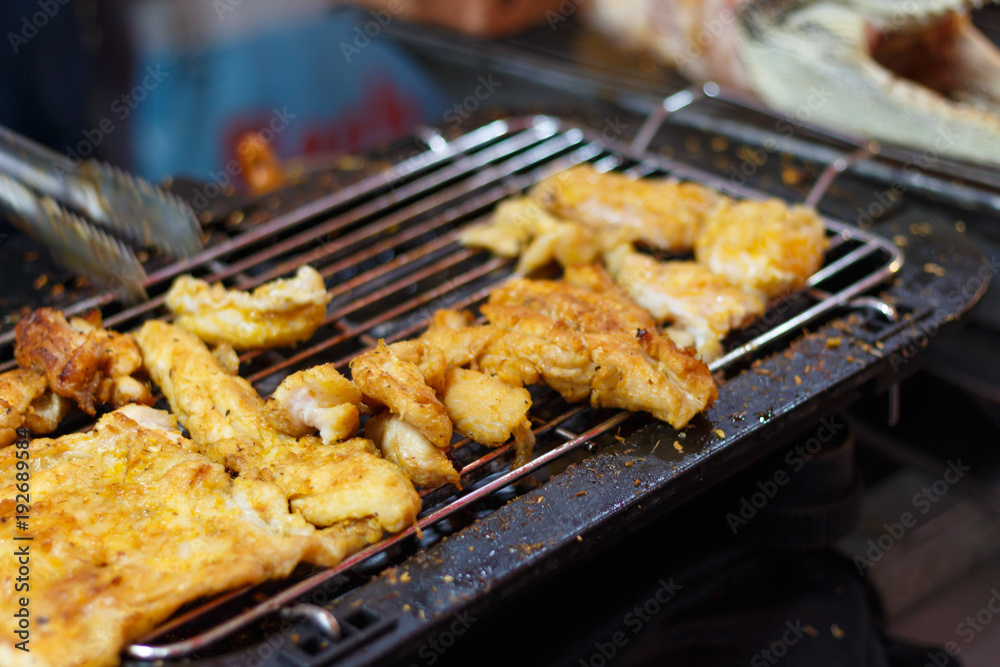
298,80
324,84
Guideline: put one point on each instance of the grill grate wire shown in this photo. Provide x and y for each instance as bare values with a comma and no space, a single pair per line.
395,259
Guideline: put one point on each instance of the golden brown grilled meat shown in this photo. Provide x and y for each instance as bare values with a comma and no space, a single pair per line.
129,523
576,302
81,360
402,443
386,379
405,378
661,213
316,399
652,376
554,355
18,389
277,313
768,247
632,367
519,227
46,412
228,358
327,484
486,410
429,360
686,294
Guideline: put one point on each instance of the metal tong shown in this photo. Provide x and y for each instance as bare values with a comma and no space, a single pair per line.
58,202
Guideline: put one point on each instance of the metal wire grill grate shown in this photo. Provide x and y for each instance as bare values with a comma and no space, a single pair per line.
388,251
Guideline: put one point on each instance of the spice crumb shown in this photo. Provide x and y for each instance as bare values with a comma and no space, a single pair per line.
936,269
579,493
448,578
41,281
798,380
677,446
405,577
579,539
811,631
719,432
636,483
836,631
833,343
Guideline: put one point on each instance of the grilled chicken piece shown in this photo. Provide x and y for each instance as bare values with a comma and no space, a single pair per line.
18,389
486,410
429,360
277,313
46,412
914,73
511,360
649,374
687,294
520,227
659,212
228,358
554,355
763,246
634,369
327,484
318,398
575,301
385,379
420,459
81,360
135,523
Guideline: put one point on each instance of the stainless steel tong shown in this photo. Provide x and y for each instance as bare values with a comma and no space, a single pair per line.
87,213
